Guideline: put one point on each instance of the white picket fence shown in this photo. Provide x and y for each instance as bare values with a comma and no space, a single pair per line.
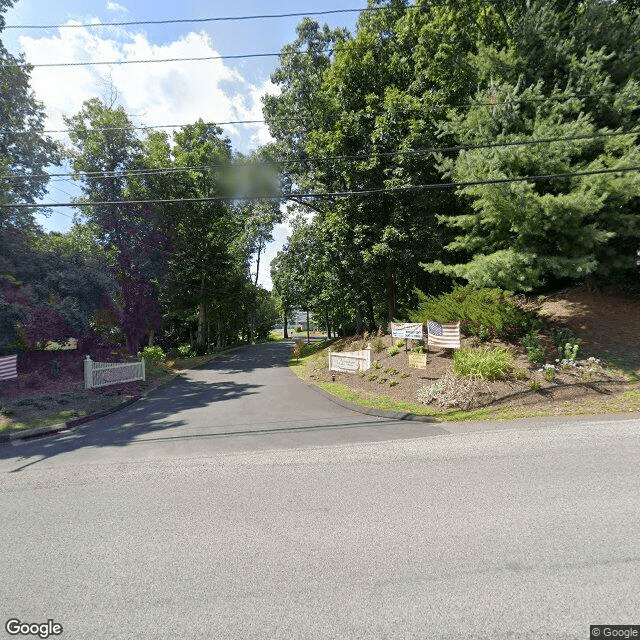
101,374
350,361
8,367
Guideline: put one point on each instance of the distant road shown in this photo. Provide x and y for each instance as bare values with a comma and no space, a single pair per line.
239,503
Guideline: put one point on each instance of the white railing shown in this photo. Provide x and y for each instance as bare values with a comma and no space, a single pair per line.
8,367
350,361
101,374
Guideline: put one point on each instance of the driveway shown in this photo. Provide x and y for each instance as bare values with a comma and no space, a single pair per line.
245,400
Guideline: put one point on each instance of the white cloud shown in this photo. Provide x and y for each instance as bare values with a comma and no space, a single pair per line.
176,92
114,6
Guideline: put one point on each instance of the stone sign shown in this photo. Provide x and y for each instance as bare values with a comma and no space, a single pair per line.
411,330
417,360
350,361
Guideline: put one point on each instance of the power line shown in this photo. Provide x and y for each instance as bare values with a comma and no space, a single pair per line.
434,107
331,194
359,157
192,20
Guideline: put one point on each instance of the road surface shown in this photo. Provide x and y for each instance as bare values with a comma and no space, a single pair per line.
238,503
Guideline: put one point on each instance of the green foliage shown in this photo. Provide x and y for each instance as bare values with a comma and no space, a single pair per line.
534,385
377,344
483,362
532,345
419,348
392,371
393,351
568,343
400,343
152,354
373,377
376,365
394,383
482,312
520,374
298,349
185,351
549,373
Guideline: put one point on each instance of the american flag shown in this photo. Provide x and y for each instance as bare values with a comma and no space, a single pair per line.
445,335
8,367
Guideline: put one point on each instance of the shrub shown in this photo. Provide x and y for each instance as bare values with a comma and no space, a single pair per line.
520,374
376,365
419,348
483,362
549,373
377,344
449,392
185,351
373,377
568,343
152,354
399,343
394,351
534,385
394,383
297,350
485,313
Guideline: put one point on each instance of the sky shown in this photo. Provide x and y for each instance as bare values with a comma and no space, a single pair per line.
161,93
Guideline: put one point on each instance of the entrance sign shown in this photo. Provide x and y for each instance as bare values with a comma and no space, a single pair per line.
410,330
350,361
418,360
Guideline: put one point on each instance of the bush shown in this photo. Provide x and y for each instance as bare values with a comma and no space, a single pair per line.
483,362
568,343
485,313
297,350
532,345
393,351
377,344
400,343
449,392
185,351
152,354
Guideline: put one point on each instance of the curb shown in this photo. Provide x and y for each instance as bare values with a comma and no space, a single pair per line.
76,422
346,404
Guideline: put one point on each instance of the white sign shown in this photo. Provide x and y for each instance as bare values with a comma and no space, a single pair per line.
411,330
350,361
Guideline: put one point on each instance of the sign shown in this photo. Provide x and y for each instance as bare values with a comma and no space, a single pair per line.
417,360
411,330
350,361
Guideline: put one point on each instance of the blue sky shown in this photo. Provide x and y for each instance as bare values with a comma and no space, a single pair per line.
161,93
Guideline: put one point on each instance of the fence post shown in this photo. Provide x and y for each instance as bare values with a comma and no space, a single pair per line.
88,373
368,356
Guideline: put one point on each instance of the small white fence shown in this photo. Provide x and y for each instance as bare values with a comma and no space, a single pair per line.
350,361
101,374
8,367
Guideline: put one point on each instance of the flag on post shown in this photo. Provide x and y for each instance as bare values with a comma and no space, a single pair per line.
445,335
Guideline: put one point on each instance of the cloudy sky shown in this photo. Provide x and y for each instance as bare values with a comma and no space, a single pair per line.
162,93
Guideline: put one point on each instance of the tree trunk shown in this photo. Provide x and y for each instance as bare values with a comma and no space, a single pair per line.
260,249
151,335
371,316
202,318
391,291
308,326
285,335
359,318
327,323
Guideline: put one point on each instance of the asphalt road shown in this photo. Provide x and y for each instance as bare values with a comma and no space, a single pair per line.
237,503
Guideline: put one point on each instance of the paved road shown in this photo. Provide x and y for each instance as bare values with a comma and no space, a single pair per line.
181,518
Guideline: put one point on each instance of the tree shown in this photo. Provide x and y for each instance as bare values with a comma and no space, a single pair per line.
560,78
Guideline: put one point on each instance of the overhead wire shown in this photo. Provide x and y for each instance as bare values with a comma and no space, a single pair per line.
311,160
128,23
332,194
